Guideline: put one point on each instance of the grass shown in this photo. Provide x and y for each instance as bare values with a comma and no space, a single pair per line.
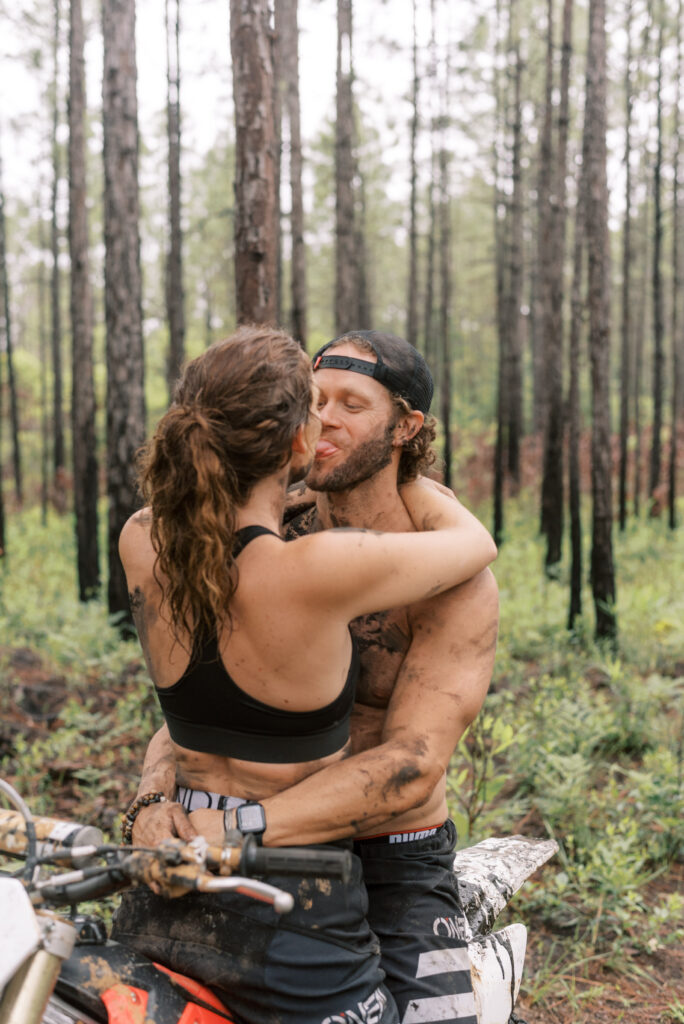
576,741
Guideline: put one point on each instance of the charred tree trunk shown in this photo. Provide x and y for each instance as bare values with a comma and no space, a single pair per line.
83,388
626,355
596,227
657,283
346,290
58,449
412,305
287,35
9,349
123,292
175,299
256,228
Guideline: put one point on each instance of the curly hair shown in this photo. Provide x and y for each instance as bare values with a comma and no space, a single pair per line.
236,410
417,454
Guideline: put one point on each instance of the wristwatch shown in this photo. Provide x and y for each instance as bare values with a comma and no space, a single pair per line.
250,819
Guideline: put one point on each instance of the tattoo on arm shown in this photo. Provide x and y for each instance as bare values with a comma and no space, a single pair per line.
137,603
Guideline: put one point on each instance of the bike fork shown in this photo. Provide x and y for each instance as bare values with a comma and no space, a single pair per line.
27,993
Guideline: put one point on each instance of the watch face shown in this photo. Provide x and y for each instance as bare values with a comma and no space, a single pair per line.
251,818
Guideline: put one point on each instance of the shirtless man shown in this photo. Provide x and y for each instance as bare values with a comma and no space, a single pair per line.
425,670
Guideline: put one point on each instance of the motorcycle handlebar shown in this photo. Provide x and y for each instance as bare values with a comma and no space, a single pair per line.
283,860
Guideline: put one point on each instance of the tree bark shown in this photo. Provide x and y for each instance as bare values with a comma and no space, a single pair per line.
501,225
544,268
9,349
515,283
123,293
596,227
626,355
175,296
83,388
412,304
574,431
676,287
287,35
346,277
429,347
256,228
58,449
657,283
552,487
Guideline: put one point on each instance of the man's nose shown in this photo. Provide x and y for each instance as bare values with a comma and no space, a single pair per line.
328,415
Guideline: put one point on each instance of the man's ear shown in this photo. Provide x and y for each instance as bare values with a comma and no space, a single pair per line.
407,427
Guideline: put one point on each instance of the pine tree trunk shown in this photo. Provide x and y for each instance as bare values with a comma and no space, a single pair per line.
626,355
287,34
676,287
657,283
515,284
596,227
83,388
574,431
3,545
552,489
544,268
256,228
429,347
123,301
175,298
412,304
346,289
58,449
9,349
445,283
43,343
501,223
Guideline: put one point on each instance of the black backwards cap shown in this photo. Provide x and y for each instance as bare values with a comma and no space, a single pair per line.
400,367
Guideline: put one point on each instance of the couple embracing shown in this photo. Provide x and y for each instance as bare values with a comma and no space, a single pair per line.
314,678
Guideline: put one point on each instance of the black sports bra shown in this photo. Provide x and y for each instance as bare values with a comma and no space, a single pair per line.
207,711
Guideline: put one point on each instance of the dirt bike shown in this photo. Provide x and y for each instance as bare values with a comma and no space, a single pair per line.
57,969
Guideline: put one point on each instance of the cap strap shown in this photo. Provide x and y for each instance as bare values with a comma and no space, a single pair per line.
349,363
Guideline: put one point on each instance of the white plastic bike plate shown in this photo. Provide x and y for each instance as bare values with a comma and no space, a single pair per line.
496,966
19,931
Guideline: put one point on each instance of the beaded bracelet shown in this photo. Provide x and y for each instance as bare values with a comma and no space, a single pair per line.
128,819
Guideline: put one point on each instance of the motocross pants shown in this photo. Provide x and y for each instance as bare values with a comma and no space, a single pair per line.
415,911
318,964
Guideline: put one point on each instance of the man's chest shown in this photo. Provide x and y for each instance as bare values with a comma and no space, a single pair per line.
383,639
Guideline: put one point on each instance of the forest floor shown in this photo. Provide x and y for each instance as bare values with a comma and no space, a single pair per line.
77,711
630,985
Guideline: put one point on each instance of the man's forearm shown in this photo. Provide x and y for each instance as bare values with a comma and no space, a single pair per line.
351,797
159,768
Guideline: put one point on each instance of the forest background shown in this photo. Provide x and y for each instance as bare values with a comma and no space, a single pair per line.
500,183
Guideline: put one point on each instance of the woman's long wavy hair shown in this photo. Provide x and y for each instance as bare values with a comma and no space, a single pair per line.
236,410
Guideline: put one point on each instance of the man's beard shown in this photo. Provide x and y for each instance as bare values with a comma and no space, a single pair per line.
361,464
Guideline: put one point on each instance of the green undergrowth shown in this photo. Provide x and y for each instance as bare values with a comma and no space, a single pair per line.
584,744
578,742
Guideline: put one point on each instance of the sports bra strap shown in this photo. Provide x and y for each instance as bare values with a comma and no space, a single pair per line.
247,534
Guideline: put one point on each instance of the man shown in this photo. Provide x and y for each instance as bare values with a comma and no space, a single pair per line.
425,670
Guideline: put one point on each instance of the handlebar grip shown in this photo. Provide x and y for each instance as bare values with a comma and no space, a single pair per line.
283,860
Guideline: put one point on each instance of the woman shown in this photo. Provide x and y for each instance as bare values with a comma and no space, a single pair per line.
247,641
